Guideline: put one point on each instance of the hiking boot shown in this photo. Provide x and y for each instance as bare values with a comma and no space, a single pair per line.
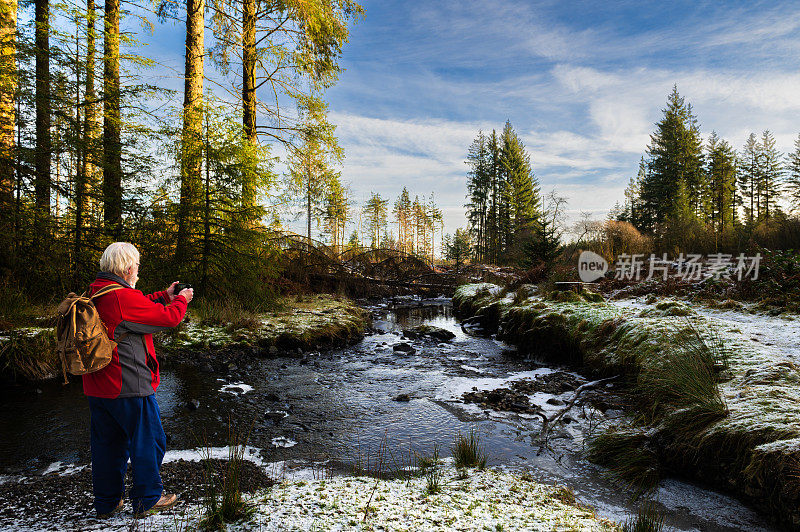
113,512
166,502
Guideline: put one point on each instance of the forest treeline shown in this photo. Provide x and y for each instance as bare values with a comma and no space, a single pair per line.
688,196
508,220
708,197
91,153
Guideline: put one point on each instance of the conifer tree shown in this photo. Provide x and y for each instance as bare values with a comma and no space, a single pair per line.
402,211
43,108
336,211
674,156
112,126
192,132
375,212
8,89
495,200
793,176
521,187
749,177
720,204
479,189
771,172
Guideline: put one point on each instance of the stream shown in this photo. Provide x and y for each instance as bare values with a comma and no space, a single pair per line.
330,412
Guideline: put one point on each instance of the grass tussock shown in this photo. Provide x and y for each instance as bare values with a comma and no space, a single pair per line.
648,518
629,457
430,468
223,502
684,379
468,452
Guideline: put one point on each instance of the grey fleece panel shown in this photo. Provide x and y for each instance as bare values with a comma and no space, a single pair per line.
140,328
136,378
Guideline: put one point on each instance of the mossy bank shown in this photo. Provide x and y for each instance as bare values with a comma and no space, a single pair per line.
731,419
212,335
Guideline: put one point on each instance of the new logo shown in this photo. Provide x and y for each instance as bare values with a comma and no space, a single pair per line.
591,266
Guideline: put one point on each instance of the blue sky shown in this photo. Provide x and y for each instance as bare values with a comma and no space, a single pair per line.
582,82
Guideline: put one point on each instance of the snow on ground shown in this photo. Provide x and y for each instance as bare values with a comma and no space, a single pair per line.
62,469
236,388
779,334
484,500
283,441
250,454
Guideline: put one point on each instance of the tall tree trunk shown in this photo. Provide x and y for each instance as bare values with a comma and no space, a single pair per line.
86,182
308,195
43,143
249,87
191,157
112,143
8,89
80,174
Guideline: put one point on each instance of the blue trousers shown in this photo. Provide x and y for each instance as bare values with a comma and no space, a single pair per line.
120,429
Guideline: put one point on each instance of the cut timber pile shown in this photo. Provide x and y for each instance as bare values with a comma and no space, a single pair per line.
743,434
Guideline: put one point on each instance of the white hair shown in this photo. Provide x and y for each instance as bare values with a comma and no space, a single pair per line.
118,257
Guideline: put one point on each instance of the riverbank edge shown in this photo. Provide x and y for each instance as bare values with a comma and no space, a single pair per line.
464,499
754,451
301,324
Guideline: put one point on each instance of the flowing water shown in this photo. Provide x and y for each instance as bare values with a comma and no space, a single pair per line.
337,408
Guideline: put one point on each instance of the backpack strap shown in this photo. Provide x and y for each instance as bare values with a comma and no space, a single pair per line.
106,289
103,291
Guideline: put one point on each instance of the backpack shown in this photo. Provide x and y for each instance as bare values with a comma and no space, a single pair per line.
81,338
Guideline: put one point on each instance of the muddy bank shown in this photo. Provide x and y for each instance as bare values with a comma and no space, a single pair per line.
748,442
204,339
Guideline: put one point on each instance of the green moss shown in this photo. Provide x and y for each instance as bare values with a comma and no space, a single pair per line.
29,354
721,404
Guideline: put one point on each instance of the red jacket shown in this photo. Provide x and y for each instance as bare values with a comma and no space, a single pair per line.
133,370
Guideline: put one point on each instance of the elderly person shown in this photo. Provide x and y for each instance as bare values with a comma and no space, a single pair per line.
125,419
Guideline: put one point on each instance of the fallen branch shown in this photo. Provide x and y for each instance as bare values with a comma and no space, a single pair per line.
547,423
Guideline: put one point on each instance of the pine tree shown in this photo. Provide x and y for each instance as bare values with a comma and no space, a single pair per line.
112,126
674,156
793,176
771,172
8,89
402,211
457,248
335,211
521,187
479,188
720,197
375,211
43,109
191,135
495,200
749,177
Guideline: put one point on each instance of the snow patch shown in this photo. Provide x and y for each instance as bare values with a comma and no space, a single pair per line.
236,388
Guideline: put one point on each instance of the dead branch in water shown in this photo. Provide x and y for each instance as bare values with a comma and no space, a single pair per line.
547,423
